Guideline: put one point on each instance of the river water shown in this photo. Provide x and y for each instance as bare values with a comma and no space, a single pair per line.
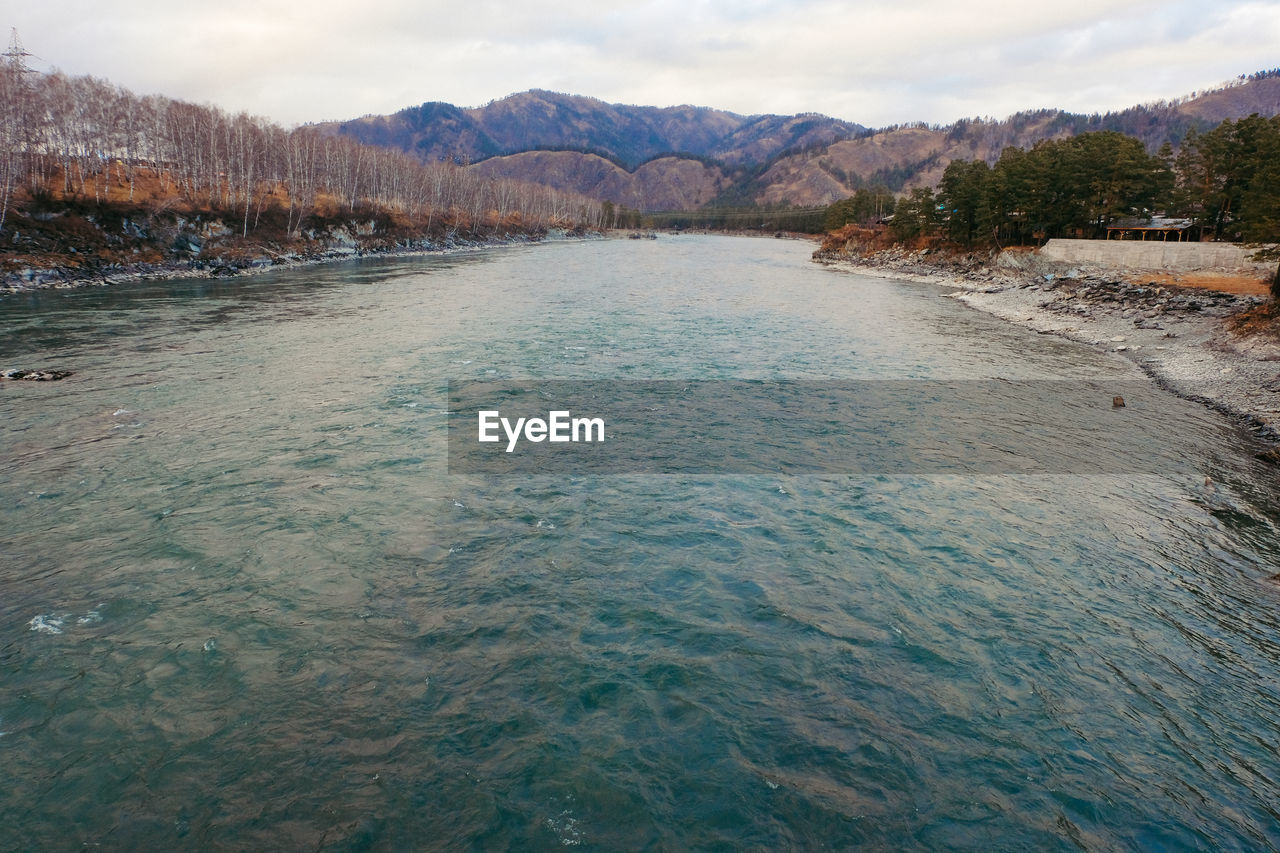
245,605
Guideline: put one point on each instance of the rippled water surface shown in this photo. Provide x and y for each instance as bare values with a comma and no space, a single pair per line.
243,605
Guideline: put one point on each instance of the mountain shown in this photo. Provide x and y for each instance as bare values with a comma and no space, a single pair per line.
664,183
666,158
913,155
541,120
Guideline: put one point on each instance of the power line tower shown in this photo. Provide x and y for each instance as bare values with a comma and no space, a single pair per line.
16,143
15,58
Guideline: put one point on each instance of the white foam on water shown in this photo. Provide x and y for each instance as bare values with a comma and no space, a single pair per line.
46,623
54,623
565,827
119,412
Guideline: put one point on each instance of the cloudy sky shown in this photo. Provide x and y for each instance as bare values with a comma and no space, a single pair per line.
875,62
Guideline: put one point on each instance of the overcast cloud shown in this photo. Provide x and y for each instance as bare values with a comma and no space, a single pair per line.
875,62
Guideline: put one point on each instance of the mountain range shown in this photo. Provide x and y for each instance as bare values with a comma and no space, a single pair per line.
685,157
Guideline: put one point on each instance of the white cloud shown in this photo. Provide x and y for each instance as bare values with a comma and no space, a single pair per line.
875,62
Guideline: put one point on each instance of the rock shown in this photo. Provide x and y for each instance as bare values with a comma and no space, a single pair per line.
1272,455
34,375
1117,402
188,243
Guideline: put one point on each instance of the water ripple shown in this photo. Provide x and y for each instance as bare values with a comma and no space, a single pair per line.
260,615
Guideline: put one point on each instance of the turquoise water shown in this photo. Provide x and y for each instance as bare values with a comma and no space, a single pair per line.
243,605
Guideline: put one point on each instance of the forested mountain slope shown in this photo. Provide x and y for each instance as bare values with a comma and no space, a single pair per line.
623,154
916,155
629,135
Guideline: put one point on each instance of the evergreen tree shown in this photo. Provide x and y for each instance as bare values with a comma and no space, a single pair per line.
915,215
1258,205
963,195
864,207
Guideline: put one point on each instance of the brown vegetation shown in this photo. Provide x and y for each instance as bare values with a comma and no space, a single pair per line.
860,240
53,235
1238,285
917,155
91,174
1261,321
801,160
667,183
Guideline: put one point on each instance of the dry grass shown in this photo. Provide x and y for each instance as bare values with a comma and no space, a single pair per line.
1260,321
1237,285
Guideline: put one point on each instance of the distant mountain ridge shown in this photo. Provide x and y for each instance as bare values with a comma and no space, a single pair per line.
664,158
628,135
914,155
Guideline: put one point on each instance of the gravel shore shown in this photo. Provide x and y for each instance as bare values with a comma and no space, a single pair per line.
1177,335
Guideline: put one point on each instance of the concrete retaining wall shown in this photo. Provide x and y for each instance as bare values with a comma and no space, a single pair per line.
1154,255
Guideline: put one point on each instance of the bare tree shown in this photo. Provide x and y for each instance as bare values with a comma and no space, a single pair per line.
93,134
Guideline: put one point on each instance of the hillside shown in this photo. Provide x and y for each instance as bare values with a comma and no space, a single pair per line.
630,135
917,155
665,183
622,154
196,188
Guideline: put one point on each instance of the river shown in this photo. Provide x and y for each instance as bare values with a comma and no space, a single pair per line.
244,604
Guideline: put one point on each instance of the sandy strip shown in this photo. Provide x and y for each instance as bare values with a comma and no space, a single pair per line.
1175,333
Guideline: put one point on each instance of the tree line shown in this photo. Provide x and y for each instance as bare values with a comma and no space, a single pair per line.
75,136
1225,182
768,219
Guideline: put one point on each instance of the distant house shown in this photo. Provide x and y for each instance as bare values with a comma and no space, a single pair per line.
1164,226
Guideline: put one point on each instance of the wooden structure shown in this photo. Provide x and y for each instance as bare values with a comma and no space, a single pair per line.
1155,225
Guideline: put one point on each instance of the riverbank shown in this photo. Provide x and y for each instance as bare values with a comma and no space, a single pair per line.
1190,336
260,259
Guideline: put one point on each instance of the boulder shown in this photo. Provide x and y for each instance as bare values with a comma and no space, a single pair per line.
34,375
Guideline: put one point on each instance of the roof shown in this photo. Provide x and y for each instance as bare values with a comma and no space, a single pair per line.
1154,223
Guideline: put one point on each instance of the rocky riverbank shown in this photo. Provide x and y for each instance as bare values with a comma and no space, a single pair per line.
1220,348
66,249
61,277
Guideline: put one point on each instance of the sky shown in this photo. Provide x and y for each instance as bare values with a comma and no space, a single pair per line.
874,62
